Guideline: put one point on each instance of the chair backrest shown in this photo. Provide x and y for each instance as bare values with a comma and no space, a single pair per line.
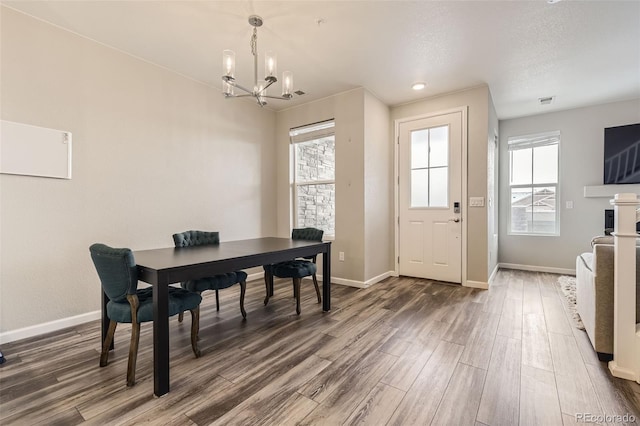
117,270
309,234
195,238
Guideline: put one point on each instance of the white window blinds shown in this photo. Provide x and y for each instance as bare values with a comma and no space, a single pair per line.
312,131
533,141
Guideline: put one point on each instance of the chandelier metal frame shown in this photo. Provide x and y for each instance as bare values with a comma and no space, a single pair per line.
259,90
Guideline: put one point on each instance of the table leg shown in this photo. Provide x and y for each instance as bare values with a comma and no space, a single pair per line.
326,279
105,319
160,339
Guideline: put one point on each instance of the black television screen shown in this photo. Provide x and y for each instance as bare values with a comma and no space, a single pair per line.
622,154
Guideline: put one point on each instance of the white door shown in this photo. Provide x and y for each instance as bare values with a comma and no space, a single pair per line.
430,197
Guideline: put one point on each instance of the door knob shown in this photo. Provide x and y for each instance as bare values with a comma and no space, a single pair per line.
455,219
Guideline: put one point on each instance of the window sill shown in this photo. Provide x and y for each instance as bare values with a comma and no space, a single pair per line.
513,234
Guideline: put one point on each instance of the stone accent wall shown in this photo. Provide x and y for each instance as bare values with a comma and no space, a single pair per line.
316,202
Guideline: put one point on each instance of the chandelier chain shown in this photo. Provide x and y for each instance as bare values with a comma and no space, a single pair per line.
254,41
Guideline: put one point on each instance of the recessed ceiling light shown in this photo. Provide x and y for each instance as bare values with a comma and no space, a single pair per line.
553,1
418,86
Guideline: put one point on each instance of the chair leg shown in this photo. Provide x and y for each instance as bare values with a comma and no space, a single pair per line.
217,301
315,283
296,285
181,314
195,328
268,280
104,356
243,289
133,353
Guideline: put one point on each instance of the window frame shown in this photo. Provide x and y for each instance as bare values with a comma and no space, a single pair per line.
532,141
298,135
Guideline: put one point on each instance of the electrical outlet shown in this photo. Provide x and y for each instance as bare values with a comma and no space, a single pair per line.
569,204
341,256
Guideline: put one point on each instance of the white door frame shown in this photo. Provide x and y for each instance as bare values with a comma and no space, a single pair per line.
396,173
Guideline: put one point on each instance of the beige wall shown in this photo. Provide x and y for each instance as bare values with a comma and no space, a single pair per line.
154,153
477,101
581,163
363,176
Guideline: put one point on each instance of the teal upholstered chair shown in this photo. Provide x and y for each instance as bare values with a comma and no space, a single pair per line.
295,269
216,282
118,274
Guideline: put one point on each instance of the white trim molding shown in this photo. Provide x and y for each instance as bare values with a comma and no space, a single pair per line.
536,268
476,284
493,273
337,280
360,284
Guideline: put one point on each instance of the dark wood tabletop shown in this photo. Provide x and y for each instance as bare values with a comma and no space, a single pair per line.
187,263
164,266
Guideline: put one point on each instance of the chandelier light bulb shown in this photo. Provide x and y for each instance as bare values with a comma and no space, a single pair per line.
228,62
270,64
287,83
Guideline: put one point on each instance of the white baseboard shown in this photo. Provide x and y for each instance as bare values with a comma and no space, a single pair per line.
255,276
360,284
533,268
476,284
493,273
47,327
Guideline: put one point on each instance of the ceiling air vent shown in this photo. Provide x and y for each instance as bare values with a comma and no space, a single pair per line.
299,92
546,100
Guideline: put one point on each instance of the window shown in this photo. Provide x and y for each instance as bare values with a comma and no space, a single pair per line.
430,167
533,184
314,173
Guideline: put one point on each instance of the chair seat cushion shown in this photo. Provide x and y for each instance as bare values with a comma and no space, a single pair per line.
217,282
179,300
292,269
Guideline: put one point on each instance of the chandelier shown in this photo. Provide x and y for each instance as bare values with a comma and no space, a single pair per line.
259,90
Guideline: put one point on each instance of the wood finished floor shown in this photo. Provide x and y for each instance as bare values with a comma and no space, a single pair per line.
403,352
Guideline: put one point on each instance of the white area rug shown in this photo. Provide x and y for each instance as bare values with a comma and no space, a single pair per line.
568,286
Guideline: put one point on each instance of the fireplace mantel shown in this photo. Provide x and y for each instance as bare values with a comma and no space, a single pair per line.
609,191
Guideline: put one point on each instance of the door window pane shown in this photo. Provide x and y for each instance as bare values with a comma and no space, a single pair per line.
419,149
439,146
420,188
438,187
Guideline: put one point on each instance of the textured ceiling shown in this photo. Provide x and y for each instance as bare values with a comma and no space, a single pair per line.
580,52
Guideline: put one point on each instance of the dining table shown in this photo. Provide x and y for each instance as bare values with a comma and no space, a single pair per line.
162,267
